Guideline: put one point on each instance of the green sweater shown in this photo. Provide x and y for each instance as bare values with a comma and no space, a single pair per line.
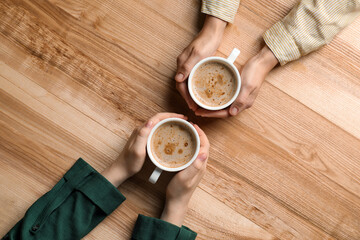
79,202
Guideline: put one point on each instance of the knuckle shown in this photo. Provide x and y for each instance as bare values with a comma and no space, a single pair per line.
137,153
197,165
188,184
142,132
180,59
183,179
250,86
136,130
158,115
187,67
249,104
241,101
197,51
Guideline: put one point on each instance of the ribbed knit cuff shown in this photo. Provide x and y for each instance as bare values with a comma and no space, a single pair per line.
281,43
225,10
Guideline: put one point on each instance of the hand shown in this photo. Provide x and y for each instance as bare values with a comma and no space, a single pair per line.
252,76
204,45
184,183
132,157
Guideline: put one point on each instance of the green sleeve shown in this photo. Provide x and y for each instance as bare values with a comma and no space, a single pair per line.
148,228
75,205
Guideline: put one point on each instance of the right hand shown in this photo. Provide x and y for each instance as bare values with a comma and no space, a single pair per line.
253,75
184,183
204,45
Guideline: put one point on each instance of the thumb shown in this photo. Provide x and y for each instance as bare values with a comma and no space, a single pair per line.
235,108
240,103
185,67
142,136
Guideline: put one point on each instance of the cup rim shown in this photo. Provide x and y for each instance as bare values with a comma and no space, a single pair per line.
238,80
195,133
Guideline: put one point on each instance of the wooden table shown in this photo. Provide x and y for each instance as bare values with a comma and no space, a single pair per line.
77,76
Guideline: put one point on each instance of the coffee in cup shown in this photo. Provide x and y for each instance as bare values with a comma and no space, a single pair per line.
214,82
173,144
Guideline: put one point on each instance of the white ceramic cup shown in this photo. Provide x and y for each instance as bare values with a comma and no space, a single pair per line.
228,62
159,168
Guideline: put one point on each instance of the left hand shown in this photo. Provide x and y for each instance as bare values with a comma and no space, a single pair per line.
204,45
132,157
252,76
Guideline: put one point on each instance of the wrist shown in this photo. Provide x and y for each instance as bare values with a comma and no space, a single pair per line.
266,59
174,213
116,174
213,26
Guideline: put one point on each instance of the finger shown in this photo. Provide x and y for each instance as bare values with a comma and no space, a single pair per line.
196,167
184,92
184,68
179,77
161,116
140,136
204,141
213,114
236,109
240,103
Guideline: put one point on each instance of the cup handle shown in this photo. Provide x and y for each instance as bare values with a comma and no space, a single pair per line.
233,55
155,175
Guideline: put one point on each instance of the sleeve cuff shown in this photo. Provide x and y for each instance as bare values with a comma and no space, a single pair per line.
225,10
281,43
147,228
101,192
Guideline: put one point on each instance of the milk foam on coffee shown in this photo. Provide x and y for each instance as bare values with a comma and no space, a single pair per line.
214,84
173,144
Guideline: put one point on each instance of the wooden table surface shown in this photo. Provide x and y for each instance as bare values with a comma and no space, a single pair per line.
76,76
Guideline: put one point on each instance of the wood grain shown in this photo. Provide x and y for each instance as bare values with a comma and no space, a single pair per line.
77,76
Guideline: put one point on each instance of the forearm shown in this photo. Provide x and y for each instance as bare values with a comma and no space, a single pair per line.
115,174
308,26
267,59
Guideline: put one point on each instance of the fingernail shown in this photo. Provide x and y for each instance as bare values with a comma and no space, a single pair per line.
179,77
202,157
149,124
234,110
